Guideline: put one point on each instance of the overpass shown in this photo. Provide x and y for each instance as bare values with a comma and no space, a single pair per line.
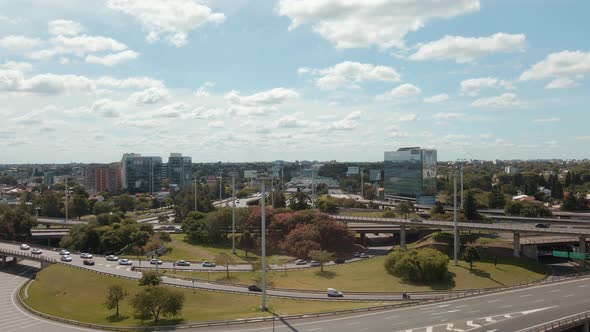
17,255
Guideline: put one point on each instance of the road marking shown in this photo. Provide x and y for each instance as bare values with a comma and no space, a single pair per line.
429,329
526,295
508,316
537,301
471,324
496,300
354,323
474,311
568,295
490,320
316,329
555,291
461,306
507,306
391,317
582,286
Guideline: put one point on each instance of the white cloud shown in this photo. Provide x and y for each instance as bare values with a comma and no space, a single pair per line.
152,95
259,103
502,101
547,120
81,45
403,117
171,19
464,49
350,122
448,115
563,67
65,28
291,121
203,90
384,23
107,108
215,124
437,98
472,86
17,66
349,74
403,91
112,59
16,43
174,110
206,113
583,138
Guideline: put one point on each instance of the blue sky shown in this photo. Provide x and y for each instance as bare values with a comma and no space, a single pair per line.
240,80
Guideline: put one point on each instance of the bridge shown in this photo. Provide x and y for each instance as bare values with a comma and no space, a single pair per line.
22,255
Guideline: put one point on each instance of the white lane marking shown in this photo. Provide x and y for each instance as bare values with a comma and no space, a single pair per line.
443,305
526,295
555,291
496,300
470,323
316,329
568,295
507,306
494,330
354,323
537,301
549,322
508,316
391,317
429,329
582,286
490,320
472,312
461,306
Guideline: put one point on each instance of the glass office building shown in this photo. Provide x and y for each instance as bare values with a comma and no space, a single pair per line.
411,173
179,170
141,174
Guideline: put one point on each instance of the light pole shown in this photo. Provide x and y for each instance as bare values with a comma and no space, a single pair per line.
272,191
461,170
233,212
263,244
196,196
362,185
312,188
455,226
220,184
67,198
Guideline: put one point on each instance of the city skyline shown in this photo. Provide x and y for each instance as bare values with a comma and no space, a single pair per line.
292,80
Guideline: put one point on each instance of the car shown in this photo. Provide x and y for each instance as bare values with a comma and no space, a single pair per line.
356,254
364,255
237,201
178,230
66,258
300,262
88,262
254,288
314,263
334,293
416,220
85,255
541,226
112,258
125,261
208,264
155,261
35,251
64,252
169,227
339,260
24,246
183,263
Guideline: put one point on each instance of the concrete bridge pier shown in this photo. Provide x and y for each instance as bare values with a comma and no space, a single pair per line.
402,237
586,327
583,250
363,238
516,244
3,260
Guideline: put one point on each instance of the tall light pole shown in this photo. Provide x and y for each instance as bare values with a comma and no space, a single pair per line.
282,177
455,225
196,196
233,212
220,184
312,188
263,244
67,198
272,191
461,170
362,185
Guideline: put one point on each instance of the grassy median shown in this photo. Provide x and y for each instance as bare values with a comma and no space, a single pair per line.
370,275
79,295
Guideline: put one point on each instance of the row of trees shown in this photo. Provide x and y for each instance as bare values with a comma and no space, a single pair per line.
16,224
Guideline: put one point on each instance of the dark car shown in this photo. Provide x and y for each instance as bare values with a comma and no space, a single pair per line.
339,260
541,226
88,262
254,288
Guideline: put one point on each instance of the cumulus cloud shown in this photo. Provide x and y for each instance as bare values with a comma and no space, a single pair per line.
402,91
465,49
65,28
259,103
15,43
17,66
170,19
565,68
174,110
504,100
547,120
152,95
448,115
350,122
203,90
437,98
349,74
473,86
291,121
112,59
355,24
206,113
107,108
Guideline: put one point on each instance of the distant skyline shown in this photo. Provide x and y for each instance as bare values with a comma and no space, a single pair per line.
245,80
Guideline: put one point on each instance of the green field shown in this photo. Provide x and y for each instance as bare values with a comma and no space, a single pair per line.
76,294
370,275
181,249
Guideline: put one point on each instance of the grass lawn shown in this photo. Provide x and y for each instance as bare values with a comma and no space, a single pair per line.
370,275
78,295
199,253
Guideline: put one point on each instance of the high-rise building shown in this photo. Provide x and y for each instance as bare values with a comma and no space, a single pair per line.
49,179
410,173
99,178
179,170
140,174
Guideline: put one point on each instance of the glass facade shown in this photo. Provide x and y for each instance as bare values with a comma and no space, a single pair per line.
179,170
141,174
411,172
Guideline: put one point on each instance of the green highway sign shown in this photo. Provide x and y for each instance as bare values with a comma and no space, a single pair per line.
577,255
565,254
556,253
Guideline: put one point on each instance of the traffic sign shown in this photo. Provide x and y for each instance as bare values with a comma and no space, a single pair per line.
565,254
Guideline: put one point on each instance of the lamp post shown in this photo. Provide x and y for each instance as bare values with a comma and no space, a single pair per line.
220,184
461,171
67,198
233,212
362,184
455,225
262,178
196,196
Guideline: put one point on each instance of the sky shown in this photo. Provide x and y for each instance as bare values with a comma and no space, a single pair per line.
261,80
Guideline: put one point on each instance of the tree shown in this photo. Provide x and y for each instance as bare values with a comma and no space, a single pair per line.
247,242
15,224
496,199
279,197
150,278
437,208
162,219
124,203
115,294
404,208
101,207
424,265
335,237
157,300
570,203
225,260
321,256
470,207
195,227
301,240
471,255
299,201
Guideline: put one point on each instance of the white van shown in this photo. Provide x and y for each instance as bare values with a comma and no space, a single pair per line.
334,293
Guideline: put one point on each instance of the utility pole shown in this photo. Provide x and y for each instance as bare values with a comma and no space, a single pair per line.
220,184
272,191
455,225
282,177
233,212
461,169
67,198
263,244
196,196
312,188
362,185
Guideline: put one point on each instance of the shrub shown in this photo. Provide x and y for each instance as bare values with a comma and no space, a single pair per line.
425,265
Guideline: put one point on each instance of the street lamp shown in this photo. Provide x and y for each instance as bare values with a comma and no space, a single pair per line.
196,196
233,212
220,177
455,224
262,178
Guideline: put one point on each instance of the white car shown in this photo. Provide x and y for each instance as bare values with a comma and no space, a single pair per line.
334,293
125,261
66,258
85,255
112,258
155,261
364,255
35,251
314,263
208,264
300,262
24,247
64,252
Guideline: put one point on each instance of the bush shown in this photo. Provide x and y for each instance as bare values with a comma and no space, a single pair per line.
150,278
425,265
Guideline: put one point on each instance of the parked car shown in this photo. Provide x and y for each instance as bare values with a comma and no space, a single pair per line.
88,262
314,263
112,258
24,246
254,288
300,262
182,263
178,230
364,255
36,251
339,260
208,264
66,258
356,254
85,255
125,261
64,252
155,261
334,293
541,225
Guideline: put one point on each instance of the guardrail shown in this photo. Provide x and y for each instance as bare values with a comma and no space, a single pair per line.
27,255
562,324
